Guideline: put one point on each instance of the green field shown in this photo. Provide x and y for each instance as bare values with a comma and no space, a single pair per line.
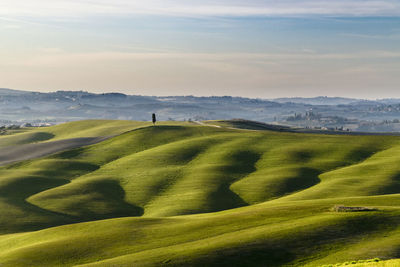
186,194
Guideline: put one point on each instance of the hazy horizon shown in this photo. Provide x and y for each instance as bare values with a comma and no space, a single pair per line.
259,49
197,95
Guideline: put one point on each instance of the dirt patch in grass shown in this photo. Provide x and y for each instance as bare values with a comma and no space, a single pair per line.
342,208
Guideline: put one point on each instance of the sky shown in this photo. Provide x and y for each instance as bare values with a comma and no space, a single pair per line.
253,48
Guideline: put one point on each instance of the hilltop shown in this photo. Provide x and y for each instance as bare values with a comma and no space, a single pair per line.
184,194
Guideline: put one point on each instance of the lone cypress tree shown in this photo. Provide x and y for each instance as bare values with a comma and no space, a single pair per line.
154,119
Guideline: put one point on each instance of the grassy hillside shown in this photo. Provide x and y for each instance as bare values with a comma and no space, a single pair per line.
77,129
188,194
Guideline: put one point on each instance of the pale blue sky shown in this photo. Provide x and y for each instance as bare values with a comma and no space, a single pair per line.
258,48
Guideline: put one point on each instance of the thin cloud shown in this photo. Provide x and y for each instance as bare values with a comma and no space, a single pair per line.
51,56
10,27
372,36
64,8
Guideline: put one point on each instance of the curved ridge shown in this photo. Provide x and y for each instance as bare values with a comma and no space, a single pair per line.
208,177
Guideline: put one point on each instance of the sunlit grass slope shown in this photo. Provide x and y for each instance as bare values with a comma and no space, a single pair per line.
77,129
187,194
388,263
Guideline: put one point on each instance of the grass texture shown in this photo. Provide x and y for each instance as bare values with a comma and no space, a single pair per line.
183,194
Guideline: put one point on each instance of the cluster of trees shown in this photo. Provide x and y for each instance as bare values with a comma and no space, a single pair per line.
308,116
10,127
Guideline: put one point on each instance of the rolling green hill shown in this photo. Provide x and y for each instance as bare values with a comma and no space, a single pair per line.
193,195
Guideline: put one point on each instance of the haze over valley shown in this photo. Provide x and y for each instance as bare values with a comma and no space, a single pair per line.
324,113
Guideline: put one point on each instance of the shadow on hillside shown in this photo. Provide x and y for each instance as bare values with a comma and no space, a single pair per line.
111,196
298,247
70,154
360,154
26,138
157,128
95,201
275,183
242,164
391,187
65,169
15,192
304,178
254,125
302,156
38,137
89,200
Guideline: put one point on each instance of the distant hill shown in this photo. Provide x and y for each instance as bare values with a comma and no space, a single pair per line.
36,108
248,125
321,100
5,91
